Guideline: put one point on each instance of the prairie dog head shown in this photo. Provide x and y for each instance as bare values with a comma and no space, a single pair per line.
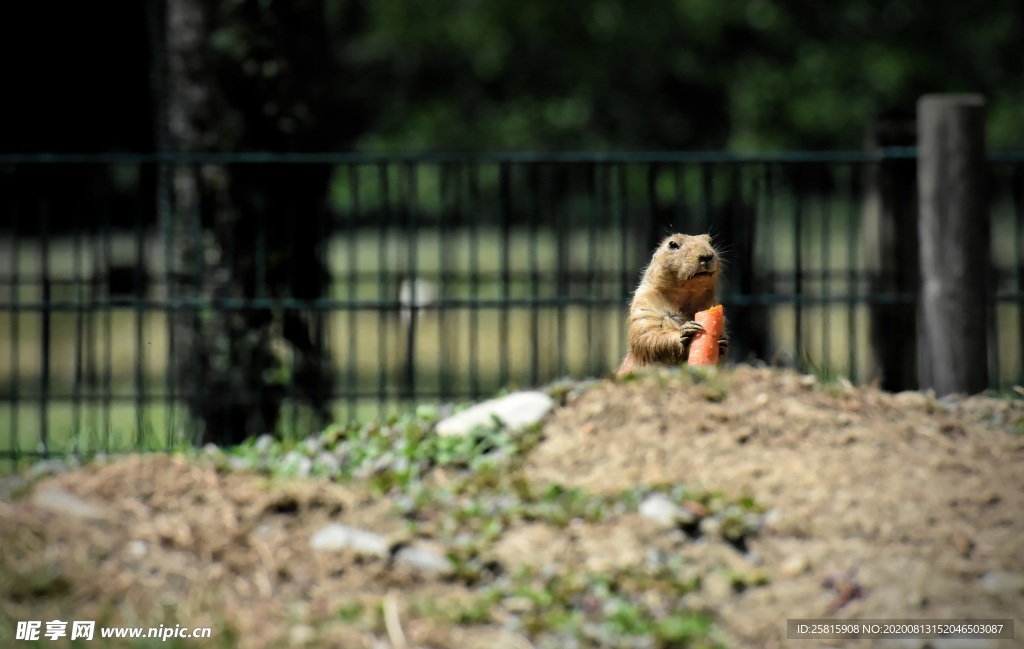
681,258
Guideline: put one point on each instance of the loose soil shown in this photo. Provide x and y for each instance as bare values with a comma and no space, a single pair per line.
877,506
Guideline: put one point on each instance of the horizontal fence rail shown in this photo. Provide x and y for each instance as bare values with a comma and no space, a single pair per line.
158,300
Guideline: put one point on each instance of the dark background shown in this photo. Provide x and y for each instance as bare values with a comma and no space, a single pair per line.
604,74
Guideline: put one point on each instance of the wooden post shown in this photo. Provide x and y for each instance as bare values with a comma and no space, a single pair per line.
954,230
892,257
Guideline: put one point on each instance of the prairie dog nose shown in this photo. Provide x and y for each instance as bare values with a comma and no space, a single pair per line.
706,260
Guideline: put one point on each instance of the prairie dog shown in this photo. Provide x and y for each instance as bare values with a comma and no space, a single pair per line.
680,281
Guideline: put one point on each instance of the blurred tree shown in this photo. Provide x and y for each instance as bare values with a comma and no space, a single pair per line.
745,75
252,76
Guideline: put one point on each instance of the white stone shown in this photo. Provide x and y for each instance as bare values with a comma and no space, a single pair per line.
515,411
336,536
794,565
302,634
660,509
138,548
59,501
1008,583
425,559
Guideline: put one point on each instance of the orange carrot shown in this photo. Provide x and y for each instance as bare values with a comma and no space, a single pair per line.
704,346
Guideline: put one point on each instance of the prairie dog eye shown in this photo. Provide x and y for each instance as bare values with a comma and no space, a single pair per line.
672,245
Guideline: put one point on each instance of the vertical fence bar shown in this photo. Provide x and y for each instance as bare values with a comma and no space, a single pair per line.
140,343
766,230
654,234
411,277
560,200
679,223
108,327
603,224
325,401
15,315
852,276
293,393
992,281
165,232
826,270
92,380
473,179
707,196
77,280
253,385
1017,191
382,288
195,216
44,370
533,182
352,213
240,403
798,266
444,215
595,332
504,209
626,273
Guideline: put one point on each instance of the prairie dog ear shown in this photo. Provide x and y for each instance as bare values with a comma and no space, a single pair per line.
706,237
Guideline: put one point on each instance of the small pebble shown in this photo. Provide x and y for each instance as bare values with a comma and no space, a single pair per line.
796,564
660,509
328,463
138,548
236,463
62,502
425,559
1006,583
342,537
263,443
711,527
301,635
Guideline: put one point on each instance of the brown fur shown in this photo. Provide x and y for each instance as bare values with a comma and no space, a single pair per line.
676,285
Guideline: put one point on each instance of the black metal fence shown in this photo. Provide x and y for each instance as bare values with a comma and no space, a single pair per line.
396,281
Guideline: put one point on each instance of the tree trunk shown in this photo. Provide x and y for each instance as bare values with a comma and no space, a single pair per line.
251,231
220,357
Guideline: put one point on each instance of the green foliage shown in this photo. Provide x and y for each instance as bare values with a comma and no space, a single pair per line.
745,75
351,612
599,609
395,454
507,74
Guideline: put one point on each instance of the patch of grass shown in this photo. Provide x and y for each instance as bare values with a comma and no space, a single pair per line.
711,382
741,581
393,456
351,612
613,608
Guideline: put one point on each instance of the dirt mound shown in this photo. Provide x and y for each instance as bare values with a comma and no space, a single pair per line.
852,503
915,501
